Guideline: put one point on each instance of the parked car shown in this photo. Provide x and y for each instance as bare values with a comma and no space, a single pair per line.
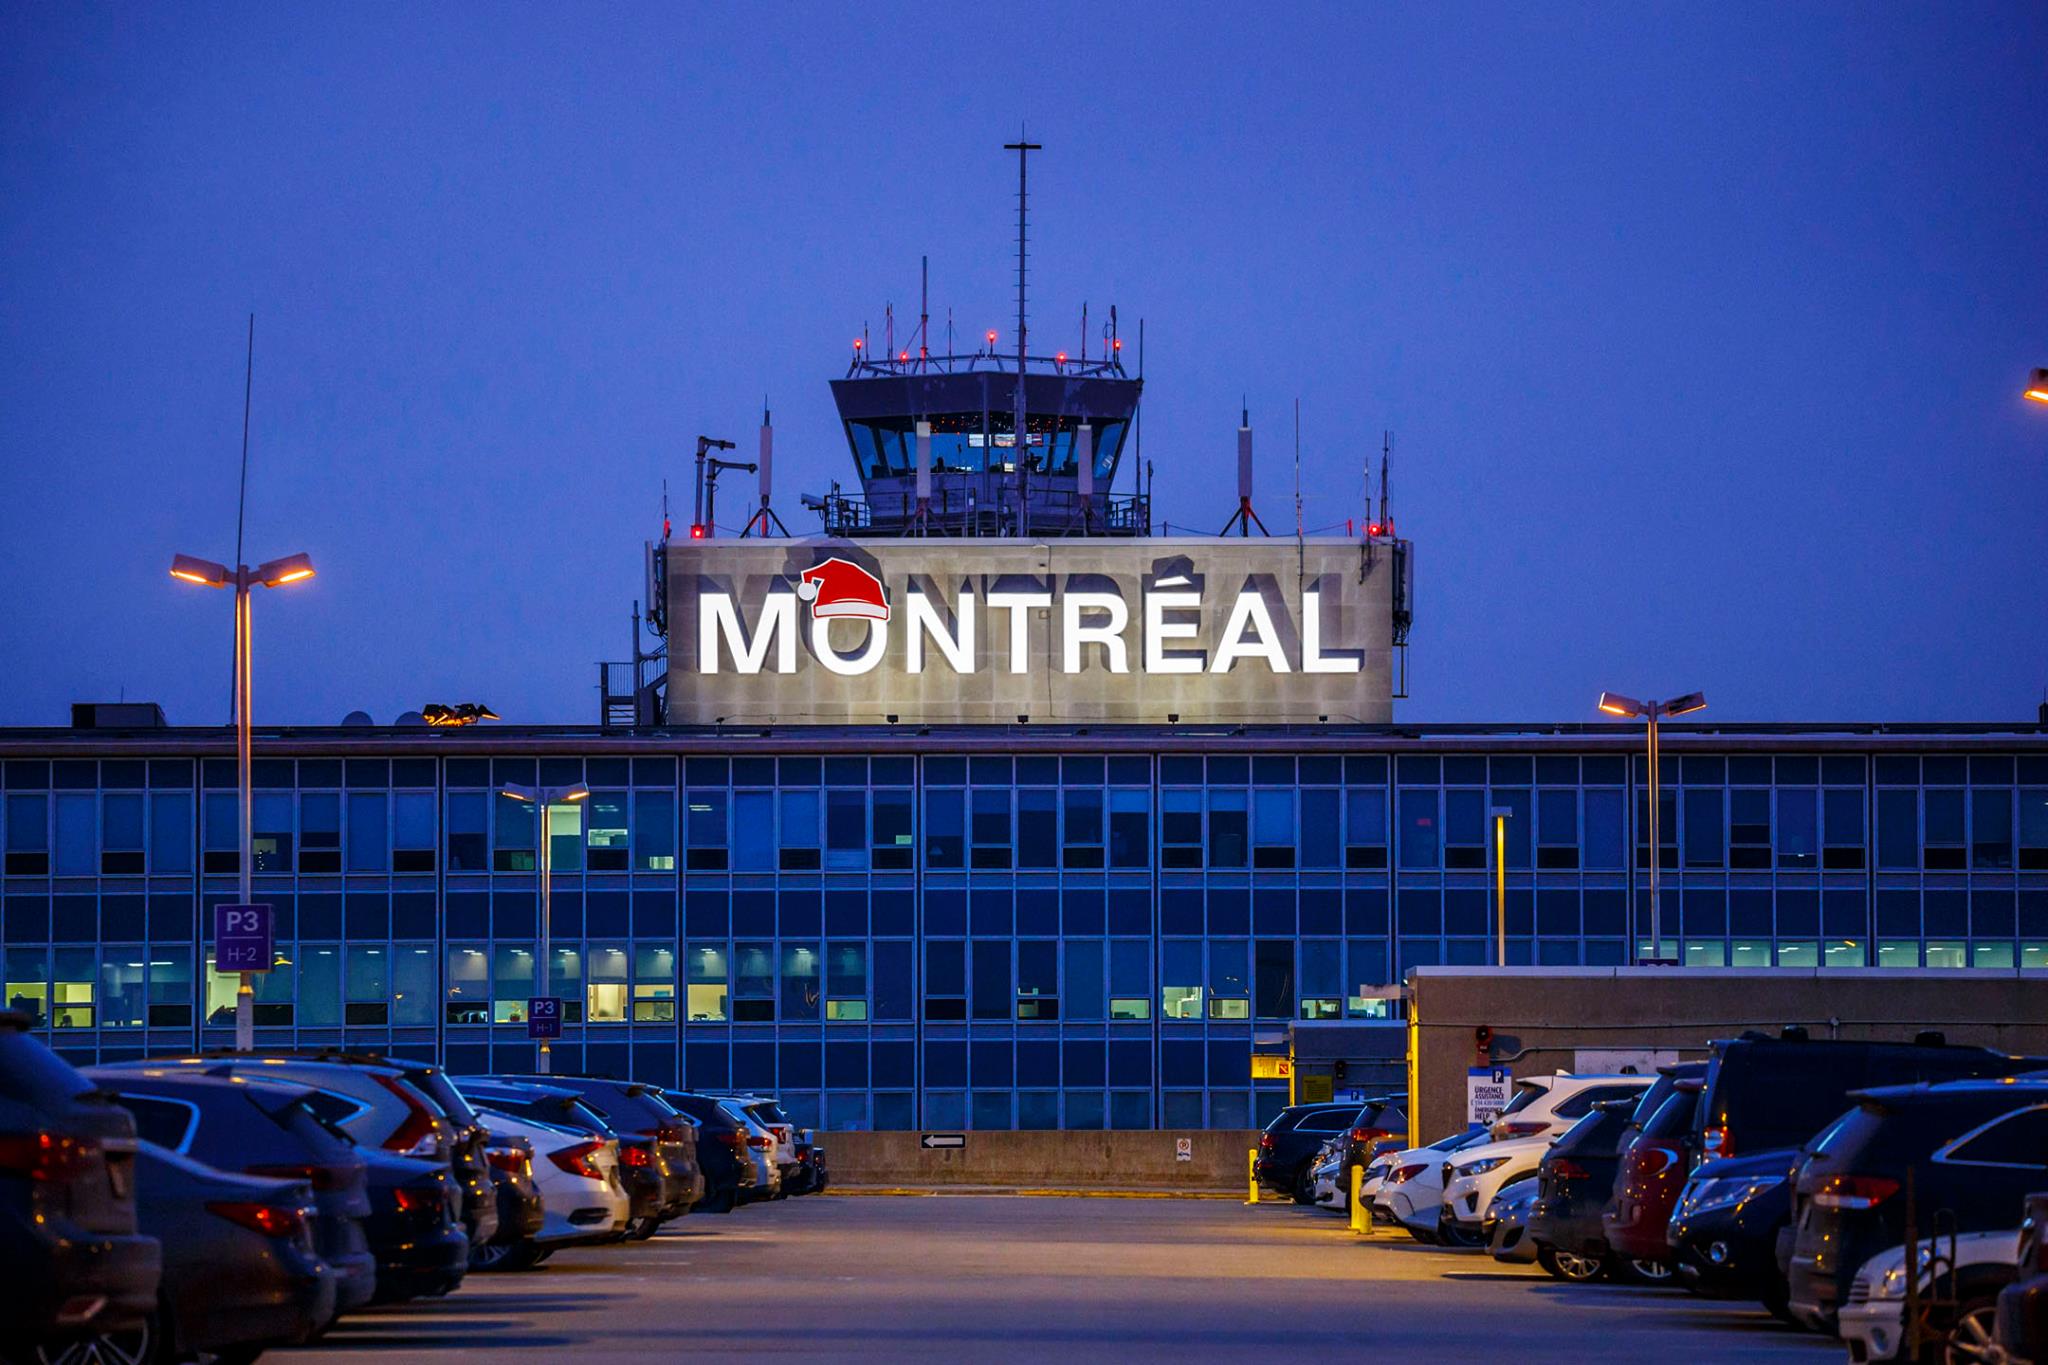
241,1273
520,1213
1505,1227
760,1150
645,1124
2022,1323
1323,1175
576,1174
1650,1172
1724,1231
1544,1106
1288,1146
1473,1177
1764,1092
262,1128
77,1264
721,1150
1573,1182
1965,1154
1959,1282
1412,1191
639,1176
768,1113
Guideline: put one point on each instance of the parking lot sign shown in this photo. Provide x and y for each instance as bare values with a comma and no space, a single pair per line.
544,1017
242,937
1486,1093
1183,1149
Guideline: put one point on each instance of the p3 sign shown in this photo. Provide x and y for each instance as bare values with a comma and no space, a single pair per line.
242,937
544,1016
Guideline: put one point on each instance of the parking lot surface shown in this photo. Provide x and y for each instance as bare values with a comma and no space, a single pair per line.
986,1277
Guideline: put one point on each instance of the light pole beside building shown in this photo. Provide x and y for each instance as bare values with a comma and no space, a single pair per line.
1614,704
1500,884
543,800
274,574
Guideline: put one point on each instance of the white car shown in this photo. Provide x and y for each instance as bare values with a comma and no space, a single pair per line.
1873,1322
760,1149
1544,1106
1412,1190
1474,1176
1325,1172
582,1198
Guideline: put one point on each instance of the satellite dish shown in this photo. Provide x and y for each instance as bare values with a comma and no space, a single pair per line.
357,718
412,720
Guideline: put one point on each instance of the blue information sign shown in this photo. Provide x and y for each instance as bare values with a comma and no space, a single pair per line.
242,938
544,1016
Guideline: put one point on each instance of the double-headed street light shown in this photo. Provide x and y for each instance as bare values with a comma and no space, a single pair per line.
274,574
1614,704
545,799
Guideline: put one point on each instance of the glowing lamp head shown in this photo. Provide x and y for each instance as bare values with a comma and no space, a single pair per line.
1615,704
2037,387
204,572
279,572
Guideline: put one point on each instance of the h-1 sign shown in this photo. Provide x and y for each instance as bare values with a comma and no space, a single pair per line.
242,938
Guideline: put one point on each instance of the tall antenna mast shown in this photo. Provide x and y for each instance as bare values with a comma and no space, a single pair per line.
1386,458
1023,149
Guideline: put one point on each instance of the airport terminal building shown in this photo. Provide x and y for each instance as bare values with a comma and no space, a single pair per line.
987,809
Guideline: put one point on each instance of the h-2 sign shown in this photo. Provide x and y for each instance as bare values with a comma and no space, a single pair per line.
242,938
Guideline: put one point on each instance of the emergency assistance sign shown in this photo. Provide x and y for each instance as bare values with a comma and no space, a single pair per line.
967,631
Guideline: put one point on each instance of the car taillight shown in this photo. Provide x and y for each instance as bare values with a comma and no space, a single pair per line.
1564,1168
760,1142
668,1134
268,1219
1365,1135
1855,1192
1716,1142
46,1156
319,1177
415,1200
1407,1173
632,1154
734,1139
508,1159
1265,1142
576,1160
416,1135
1519,1128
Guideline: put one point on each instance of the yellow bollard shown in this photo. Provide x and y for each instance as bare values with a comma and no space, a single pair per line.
1251,1166
1361,1216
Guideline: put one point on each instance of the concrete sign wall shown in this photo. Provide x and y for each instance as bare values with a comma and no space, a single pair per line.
983,631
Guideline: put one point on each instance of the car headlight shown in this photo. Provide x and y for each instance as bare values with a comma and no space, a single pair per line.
1709,1196
1481,1166
1891,1284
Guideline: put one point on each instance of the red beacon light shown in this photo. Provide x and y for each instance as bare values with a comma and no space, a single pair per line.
902,356
697,530
991,338
1060,359
858,343
1117,344
1373,528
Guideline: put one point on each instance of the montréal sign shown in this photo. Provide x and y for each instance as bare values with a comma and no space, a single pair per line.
974,631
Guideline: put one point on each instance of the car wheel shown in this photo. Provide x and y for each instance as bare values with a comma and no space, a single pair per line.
1451,1235
1570,1266
505,1256
143,1346
640,1229
1304,1186
1643,1271
1974,1336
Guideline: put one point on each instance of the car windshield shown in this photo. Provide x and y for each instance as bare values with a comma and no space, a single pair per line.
1525,1095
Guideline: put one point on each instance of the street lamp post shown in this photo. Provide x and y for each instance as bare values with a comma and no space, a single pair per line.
543,800
1651,712
274,574
1500,884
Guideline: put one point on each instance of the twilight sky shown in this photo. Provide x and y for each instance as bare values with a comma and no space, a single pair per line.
1701,329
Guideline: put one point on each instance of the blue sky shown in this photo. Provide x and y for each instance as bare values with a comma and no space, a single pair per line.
1701,329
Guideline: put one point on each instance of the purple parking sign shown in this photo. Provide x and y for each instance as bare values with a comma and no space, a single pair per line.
241,938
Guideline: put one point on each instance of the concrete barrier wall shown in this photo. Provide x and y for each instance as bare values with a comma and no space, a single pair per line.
1093,1160
1541,1017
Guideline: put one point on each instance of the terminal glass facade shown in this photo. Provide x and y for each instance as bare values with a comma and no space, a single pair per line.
1045,935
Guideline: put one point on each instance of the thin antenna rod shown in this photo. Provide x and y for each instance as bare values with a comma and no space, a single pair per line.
242,497
924,308
1023,149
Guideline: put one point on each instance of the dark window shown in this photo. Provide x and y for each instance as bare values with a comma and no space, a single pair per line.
2019,1139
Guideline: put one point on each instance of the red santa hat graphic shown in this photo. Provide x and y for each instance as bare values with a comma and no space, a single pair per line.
839,588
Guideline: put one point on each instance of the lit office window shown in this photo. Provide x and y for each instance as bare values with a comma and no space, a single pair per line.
469,984
607,847
124,977
708,987
605,991
1180,979
802,992
654,983
170,987
846,982
412,985
753,992
366,999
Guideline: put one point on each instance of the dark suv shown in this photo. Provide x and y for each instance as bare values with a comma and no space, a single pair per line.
1963,1156
76,1265
1288,1147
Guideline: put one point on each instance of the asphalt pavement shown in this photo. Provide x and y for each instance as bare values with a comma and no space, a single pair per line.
1009,1277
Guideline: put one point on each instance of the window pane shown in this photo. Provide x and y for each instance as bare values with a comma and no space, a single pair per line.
369,839
654,831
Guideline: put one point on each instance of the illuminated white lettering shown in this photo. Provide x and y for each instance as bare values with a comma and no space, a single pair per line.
1313,660
928,617
1250,613
863,662
1158,630
1019,605
718,620
1109,633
